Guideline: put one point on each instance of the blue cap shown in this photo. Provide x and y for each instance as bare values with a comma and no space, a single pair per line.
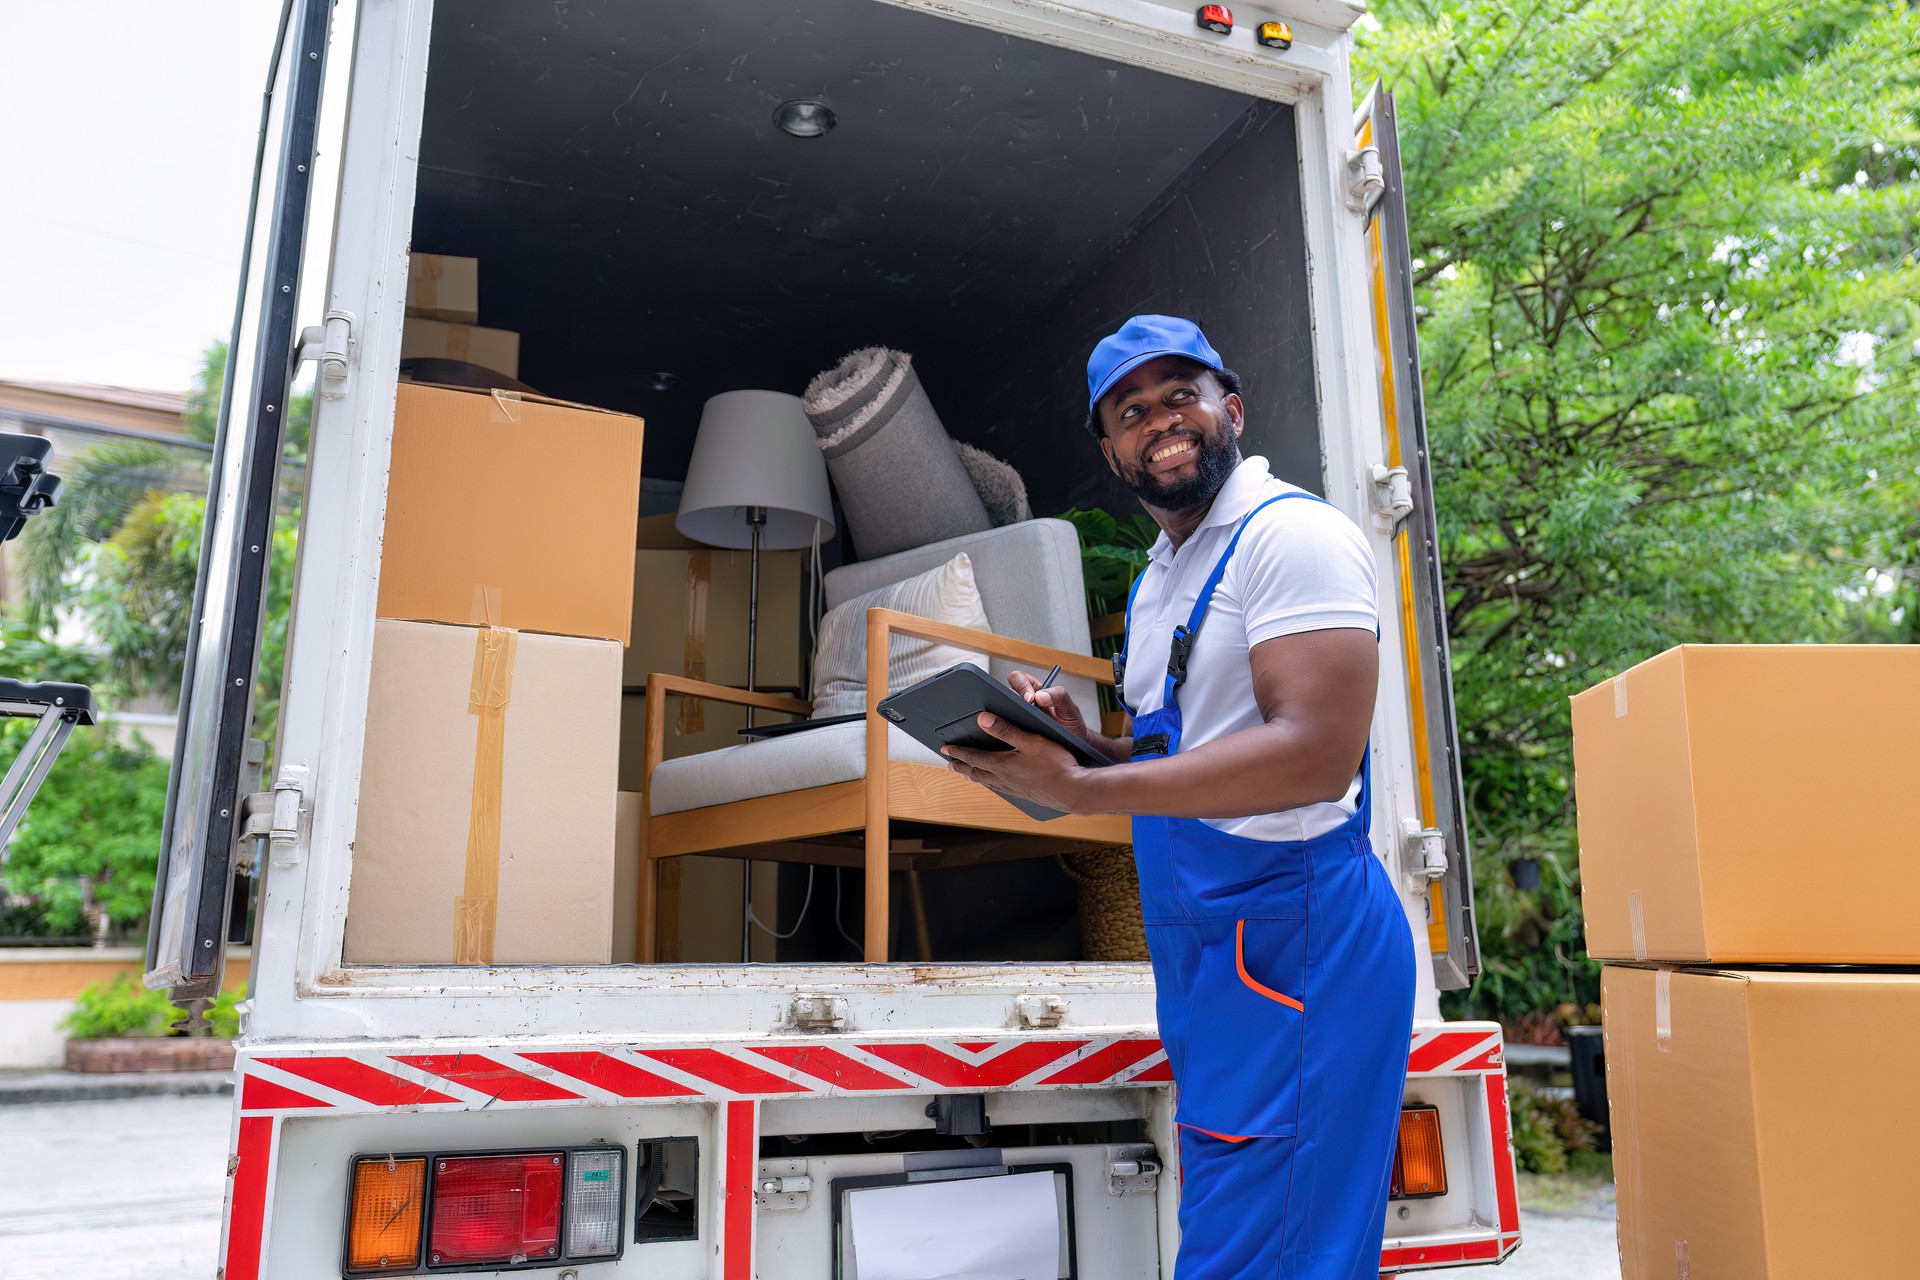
1139,340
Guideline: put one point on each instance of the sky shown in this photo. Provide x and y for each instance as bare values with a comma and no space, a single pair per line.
127,133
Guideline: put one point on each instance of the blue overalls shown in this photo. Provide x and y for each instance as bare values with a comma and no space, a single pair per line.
1285,978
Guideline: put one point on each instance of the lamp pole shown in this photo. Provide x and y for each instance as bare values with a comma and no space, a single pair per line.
756,526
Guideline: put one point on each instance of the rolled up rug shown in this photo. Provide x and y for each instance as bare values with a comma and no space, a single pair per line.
900,481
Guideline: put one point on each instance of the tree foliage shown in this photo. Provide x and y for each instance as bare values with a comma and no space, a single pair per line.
1665,268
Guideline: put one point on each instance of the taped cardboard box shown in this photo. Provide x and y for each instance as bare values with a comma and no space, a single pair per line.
1763,1127
1752,804
510,510
699,901
495,349
443,287
487,799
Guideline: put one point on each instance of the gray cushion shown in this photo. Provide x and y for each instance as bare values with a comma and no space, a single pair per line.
774,766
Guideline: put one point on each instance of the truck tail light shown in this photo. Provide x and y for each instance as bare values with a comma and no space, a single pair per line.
1419,1164
1216,18
594,1192
386,1204
498,1209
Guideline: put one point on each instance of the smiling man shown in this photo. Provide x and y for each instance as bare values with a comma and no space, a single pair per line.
1282,958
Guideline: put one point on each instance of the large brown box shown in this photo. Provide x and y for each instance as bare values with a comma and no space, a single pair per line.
487,799
1763,1125
1752,804
510,510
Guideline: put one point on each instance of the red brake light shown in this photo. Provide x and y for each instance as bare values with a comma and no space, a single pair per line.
495,1208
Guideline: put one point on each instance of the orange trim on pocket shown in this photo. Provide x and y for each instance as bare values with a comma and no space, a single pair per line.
1224,1137
1240,963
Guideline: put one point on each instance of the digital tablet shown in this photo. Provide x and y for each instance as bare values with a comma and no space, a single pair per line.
943,711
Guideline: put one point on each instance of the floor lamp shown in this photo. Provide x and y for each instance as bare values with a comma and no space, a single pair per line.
757,481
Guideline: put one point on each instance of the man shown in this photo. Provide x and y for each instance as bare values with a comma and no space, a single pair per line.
1282,957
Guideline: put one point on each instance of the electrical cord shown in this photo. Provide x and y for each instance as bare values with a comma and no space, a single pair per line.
836,914
807,902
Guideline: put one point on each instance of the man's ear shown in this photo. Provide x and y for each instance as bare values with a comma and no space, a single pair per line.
1236,413
1106,450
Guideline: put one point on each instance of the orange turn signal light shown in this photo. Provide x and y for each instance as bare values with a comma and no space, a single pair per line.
1275,35
1419,1163
385,1207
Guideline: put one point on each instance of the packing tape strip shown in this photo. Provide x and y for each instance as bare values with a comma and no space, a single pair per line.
459,341
1619,696
476,910
506,406
1637,924
1683,1260
692,715
423,281
1663,1010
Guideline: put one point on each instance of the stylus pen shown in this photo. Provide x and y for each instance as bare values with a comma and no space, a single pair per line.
1051,677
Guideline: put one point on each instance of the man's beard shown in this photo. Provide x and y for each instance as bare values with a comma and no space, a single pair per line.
1214,460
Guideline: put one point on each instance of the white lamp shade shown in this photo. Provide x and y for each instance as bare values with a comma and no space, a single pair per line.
755,449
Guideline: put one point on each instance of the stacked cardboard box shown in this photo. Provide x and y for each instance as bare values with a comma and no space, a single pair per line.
443,310
1746,854
486,828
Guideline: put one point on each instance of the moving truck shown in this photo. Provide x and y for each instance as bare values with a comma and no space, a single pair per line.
1005,180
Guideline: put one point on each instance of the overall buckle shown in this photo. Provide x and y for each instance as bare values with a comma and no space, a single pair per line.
1178,653
1119,670
1154,744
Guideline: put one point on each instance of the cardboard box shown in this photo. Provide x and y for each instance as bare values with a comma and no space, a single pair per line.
1752,804
1763,1127
690,617
699,901
487,799
495,349
443,287
511,510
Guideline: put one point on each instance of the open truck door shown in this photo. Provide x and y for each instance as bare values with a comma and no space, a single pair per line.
206,798
1438,845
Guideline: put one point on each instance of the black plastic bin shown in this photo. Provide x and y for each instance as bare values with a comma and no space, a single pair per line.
1588,1050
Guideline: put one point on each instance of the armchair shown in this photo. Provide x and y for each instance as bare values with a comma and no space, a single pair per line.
835,795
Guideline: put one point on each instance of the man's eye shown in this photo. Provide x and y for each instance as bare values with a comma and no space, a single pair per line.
1131,411
1181,395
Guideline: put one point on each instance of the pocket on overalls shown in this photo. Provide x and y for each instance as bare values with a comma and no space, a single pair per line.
1249,1013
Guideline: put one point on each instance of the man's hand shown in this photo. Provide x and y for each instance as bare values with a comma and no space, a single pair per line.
1058,704
1035,769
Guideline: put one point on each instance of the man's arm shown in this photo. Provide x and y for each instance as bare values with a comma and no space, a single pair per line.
1315,690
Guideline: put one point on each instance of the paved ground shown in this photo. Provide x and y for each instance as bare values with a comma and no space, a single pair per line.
127,1188
132,1188
1556,1246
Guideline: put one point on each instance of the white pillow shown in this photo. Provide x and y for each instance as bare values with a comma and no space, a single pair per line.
945,594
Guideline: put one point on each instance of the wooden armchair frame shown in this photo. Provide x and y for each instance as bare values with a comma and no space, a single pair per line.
791,826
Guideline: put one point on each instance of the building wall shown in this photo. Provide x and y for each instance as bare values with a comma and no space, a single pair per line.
38,984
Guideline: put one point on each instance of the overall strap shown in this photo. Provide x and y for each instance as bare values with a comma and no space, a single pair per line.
1181,648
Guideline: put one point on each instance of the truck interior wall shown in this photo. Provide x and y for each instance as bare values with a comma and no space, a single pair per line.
1225,245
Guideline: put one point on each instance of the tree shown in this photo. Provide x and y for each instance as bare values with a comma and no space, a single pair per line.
1665,268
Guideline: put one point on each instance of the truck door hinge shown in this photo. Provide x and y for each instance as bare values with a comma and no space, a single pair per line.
1366,179
275,816
817,1013
783,1186
1040,1013
1132,1171
333,345
1392,494
1425,852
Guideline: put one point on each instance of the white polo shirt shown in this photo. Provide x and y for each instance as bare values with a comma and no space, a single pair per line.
1300,566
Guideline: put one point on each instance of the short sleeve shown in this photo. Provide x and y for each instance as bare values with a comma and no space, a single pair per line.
1303,566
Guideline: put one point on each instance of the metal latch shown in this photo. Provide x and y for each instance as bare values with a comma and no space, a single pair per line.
1040,1013
332,344
1132,1171
783,1186
1426,852
1392,494
275,815
817,1013
1366,179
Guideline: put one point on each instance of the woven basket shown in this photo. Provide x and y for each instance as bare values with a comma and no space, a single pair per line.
1110,923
